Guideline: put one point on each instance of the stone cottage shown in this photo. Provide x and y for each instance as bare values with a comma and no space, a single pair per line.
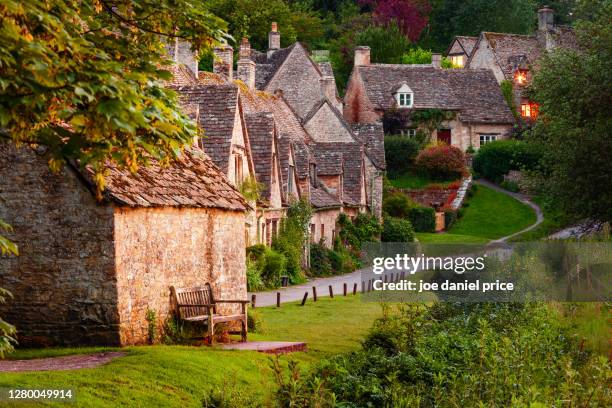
89,270
513,57
478,112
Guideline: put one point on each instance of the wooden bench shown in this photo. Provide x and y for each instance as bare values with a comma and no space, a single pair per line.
199,305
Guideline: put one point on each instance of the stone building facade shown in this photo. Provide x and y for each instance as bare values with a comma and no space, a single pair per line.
88,271
478,110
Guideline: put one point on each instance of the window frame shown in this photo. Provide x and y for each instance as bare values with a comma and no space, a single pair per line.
405,95
488,138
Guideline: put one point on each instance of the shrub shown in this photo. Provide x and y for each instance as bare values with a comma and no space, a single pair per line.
353,233
397,205
397,230
441,162
291,238
341,261
320,264
450,217
254,321
400,152
423,219
255,252
496,159
151,317
510,186
272,266
254,279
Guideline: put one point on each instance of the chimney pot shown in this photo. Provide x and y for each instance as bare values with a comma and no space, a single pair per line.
546,18
223,63
362,55
246,68
436,60
274,38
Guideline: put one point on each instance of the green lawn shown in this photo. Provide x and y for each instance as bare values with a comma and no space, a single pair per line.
180,376
489,215
415,181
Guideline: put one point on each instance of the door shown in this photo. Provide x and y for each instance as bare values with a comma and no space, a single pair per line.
444,135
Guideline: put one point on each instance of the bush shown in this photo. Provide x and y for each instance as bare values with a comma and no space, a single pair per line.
272,266
292,237
254,321
400,152
320,265
353,233
450,217
341,261
397,230
254,279
397,205
510,186
423,219
496,159
441,162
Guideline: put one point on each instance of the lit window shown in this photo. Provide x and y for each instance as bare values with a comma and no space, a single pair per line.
484,139
458,61
529,110
404,100
520,76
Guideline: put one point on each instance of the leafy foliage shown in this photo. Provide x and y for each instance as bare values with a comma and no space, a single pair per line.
83,78
409,15
7,331
7,247
423,219
400,152
265,266
420,56
495,159
441,162
397,230
354,233
572,88
292,237
397,205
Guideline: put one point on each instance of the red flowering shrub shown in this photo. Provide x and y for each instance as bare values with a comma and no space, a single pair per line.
441,162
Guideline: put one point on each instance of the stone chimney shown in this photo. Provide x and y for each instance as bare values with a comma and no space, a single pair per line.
223,63
436,60
328,87
180,52
246,67
546,18
362,55
273,39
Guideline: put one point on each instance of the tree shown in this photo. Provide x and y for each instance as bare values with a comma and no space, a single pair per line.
411,16
573,90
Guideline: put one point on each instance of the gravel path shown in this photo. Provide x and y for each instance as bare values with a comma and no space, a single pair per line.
60,363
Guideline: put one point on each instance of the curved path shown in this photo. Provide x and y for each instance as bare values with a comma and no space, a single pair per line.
296,293
519,197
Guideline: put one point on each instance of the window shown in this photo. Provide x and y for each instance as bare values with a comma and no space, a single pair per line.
290,185
322,231
529,110
404,96
312,233
408,132
238,169
404,100
458,61
484,139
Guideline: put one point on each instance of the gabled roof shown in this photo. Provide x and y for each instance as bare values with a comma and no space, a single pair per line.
260,127
506,48
474,93
329,159
320,198
352,159
372,136
191,181
466,43
218,106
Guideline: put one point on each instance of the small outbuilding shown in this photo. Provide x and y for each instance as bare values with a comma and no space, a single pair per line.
89,271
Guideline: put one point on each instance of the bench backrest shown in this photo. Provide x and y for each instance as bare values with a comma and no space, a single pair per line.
193,296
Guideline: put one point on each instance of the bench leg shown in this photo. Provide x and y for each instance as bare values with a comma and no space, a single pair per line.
211,332
244,325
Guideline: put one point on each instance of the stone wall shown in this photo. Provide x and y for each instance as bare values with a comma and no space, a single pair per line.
482,57
63,281
162,247
327,218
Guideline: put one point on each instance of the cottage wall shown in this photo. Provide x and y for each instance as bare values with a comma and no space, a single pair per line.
326,218
162,247
482,57
63,282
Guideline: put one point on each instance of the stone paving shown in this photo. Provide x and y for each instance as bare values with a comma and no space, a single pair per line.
60,363
269,347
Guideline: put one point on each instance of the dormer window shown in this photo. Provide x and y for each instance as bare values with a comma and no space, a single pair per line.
404,97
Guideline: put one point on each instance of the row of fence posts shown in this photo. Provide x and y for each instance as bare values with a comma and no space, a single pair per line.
366,286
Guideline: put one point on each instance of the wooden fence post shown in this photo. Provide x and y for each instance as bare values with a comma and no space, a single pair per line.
314,293
331,291
354,288
363,287
277,299
304,298
344,288
253,300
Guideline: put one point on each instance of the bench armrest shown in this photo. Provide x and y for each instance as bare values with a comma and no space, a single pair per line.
232,301
196,305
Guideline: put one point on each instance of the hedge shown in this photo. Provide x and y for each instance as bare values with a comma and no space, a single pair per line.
423,219
400,152
495,159
397,230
